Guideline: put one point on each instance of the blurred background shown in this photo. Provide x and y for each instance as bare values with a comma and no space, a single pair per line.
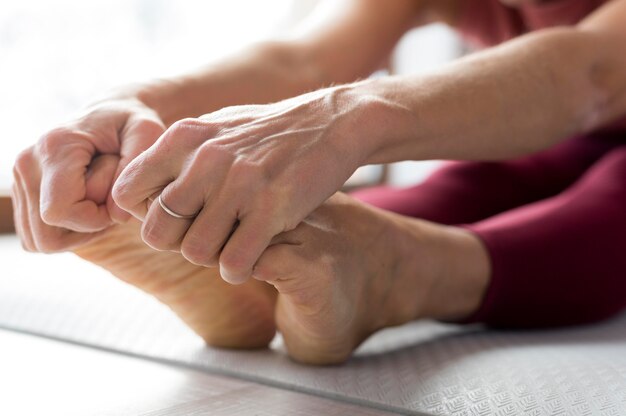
57,56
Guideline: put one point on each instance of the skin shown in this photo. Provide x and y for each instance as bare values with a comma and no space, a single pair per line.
224,315
249,168
331,297
300,285
261,157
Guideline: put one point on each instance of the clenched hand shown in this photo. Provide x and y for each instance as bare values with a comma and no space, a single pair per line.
244,175
62,184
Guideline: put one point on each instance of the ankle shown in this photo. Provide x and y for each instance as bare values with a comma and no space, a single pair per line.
458,288
412,264
437,272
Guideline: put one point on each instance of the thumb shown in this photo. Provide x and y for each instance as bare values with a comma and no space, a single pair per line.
99,178
140,132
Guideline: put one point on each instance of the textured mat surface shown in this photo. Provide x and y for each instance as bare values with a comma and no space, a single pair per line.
422,368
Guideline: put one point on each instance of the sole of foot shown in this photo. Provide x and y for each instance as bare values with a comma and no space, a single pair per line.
223,315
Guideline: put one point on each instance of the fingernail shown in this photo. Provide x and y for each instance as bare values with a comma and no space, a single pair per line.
231,277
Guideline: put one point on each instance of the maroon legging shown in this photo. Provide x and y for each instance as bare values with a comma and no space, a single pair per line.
554,224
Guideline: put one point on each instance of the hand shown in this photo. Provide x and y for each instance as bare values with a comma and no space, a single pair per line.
245,174
62,184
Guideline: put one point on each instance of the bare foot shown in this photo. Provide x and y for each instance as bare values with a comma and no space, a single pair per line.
349,270
223,315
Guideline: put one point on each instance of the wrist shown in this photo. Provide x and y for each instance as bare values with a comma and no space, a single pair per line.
159,96
342,114
385,122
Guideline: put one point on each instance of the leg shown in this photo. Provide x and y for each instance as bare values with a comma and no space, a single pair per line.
466,192
562,260
350,269
222,314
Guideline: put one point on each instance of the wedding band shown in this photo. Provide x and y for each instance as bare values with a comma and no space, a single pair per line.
172,213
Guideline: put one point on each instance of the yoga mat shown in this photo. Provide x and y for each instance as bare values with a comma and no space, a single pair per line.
422,368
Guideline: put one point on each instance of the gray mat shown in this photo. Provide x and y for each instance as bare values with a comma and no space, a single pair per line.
421,368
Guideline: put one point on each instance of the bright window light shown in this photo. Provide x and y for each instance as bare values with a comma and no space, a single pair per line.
57,56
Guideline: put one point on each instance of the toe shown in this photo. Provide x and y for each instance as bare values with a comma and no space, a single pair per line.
277,264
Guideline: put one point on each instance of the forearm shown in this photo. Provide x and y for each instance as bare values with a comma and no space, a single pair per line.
508,101
264,73
340,42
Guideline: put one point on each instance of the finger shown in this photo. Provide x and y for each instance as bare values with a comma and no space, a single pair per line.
20,215
99,178
208,233
276,263
139,182
139,133
21,212
287,238
62,198
49,239
162,231
45,238
155,168
185,196
244,247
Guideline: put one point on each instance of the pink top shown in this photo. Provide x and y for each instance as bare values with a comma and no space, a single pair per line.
489,22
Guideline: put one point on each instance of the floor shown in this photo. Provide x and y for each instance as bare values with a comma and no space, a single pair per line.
46,377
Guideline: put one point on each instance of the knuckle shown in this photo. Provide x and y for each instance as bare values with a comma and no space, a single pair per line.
196,252
51,214
184,127
53,140
153,234
184,124
23,162
118,193
168,142
212,155
122,192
